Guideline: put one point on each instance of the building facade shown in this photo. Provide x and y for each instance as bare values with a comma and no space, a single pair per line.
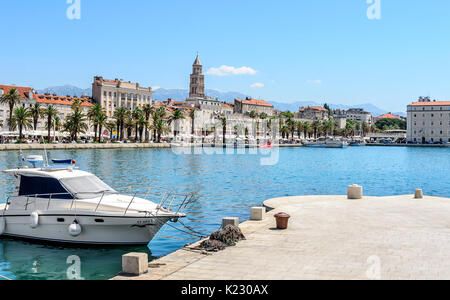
112,94
429,122
354,114
25,93
245,106
314,113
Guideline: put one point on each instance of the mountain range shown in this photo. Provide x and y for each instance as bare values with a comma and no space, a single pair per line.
181,94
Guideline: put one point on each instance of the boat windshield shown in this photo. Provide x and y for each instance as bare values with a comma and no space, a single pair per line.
86,187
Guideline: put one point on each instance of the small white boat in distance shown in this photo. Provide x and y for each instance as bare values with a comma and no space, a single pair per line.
69,206
327,143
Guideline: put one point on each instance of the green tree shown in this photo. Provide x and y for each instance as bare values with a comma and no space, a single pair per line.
192,117
93,113
21,119
49,112
76,123
36,113
110,126
119,115
136,115
101,120
316,126
148,111
174,118
11,98
159,127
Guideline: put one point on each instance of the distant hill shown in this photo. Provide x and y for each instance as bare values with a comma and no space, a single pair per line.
66,90
374,110
182,94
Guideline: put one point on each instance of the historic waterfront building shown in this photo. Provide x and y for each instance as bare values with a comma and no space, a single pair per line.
28,97
429,121
314,113
248,105
112,94
354,114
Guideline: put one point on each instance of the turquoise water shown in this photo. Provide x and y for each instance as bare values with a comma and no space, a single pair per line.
228,185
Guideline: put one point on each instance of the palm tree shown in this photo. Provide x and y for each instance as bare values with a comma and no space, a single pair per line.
136,115
110,126
224,130
291,124
142,123
101,121
299,126
192,116
120,114
306,128
22,119
92,115
177,115
159,127
56,123
158,115
315,126
285,131
36,113
148,111
12,98
129,124
50,112
326,126
76,123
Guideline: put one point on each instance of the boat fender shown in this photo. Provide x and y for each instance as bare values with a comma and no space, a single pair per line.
34,219
2,226
75,229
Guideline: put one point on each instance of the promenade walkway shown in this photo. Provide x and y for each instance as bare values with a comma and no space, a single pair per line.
329,237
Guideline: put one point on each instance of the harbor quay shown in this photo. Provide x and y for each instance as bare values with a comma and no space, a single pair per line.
329,237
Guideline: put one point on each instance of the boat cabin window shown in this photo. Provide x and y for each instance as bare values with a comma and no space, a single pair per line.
43,187
87,187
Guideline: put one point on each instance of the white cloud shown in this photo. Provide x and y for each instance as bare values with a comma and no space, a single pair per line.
257,85
229,71
155,88
317,81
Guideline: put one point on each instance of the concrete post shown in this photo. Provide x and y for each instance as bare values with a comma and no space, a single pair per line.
418,194
257,213
230,221
355,192
135,264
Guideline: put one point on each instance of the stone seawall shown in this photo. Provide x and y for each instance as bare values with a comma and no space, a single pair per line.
11,147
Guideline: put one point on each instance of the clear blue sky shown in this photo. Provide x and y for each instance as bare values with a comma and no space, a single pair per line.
321,50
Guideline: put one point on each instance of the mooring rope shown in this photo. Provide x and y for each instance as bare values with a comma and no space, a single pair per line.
6,278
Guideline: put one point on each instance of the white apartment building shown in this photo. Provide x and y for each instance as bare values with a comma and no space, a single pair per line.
355,114
429,121
112,94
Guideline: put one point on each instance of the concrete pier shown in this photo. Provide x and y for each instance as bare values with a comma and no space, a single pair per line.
329,237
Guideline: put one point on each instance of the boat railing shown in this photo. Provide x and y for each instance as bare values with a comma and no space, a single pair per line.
167,200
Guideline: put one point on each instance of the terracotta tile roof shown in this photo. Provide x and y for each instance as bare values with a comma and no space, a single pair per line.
23,91
255,102
62,100
227,105
431,103
388,116
314,108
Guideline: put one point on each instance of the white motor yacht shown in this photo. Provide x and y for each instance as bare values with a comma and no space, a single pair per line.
70,206
327,143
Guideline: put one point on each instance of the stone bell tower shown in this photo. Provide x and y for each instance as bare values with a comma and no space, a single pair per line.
197,86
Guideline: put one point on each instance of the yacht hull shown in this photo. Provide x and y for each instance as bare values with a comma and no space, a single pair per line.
95,230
